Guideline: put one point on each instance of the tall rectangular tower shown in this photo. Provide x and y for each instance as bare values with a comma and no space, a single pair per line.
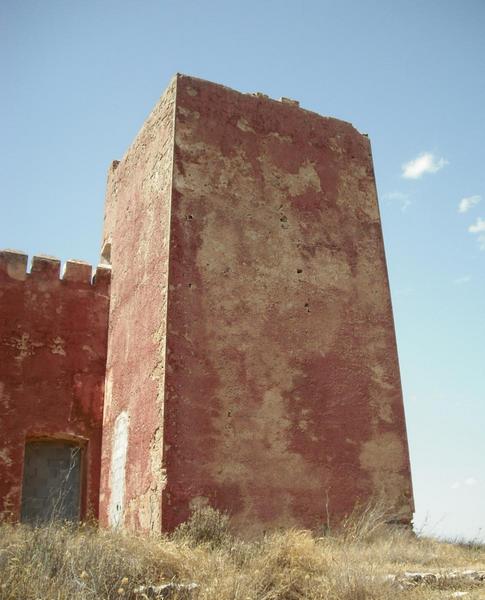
252,360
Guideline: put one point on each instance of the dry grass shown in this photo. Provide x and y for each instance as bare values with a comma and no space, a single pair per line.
64,562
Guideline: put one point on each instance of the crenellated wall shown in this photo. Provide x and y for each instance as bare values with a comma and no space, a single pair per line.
53,333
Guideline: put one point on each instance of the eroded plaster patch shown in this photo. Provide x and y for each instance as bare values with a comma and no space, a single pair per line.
118,469
24,346
5,457
294,184
244,125
383,453
57,346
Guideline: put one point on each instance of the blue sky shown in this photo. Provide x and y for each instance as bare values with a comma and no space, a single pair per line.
79,78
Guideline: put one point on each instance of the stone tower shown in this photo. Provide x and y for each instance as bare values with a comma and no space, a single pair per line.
252,360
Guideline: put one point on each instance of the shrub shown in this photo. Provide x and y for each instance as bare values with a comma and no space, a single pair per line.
205,525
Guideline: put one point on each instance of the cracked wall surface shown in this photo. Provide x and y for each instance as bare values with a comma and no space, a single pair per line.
53,334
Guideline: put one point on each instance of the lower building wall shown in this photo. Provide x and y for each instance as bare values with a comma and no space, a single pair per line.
53,336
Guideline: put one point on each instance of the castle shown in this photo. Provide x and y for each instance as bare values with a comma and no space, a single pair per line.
236,347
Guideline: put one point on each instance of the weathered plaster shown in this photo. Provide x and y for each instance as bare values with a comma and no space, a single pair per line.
281,364
136,222
117,474
50,387
251,360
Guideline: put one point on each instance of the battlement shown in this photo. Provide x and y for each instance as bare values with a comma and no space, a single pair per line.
14,263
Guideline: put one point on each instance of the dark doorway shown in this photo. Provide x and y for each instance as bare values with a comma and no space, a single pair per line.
51,488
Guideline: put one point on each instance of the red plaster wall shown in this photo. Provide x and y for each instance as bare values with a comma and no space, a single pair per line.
283,398
53,336
136,220
251,344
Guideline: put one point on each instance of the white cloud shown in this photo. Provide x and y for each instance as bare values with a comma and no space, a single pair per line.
470,481
479,226
468,202
402,199
462,280
424,163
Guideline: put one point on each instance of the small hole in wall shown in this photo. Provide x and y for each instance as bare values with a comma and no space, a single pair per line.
284,222
189,217
299,270
307,306
190,285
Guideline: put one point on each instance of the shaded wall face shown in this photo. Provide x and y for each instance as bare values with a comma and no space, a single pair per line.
283,401
136,220
53,335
